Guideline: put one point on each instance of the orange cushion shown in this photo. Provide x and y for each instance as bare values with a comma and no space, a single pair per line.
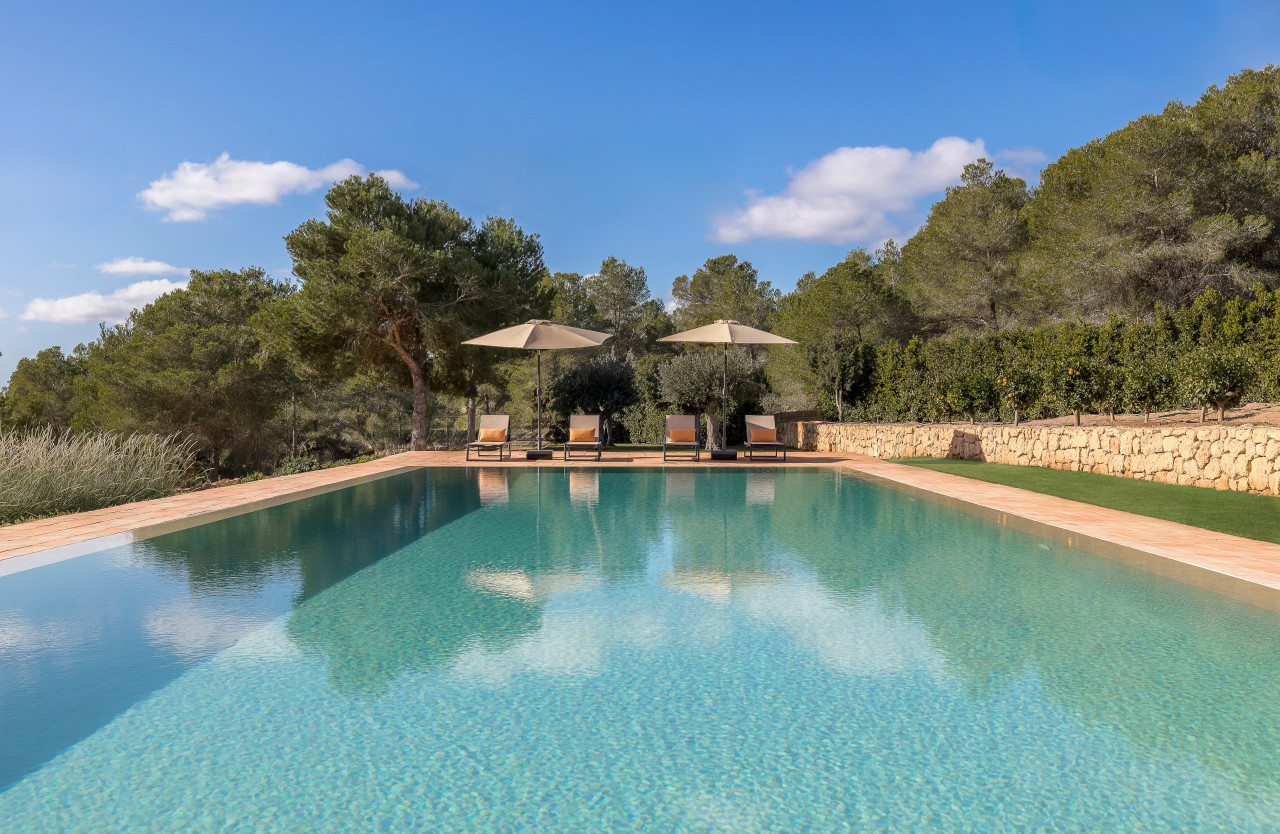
683,435
763,435
493,435
582,435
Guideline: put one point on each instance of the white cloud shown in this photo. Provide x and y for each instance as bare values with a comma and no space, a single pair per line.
195,189
1021,162
139,266
850,194
191,631
112,308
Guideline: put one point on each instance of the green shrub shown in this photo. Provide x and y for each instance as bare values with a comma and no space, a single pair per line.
45,472
645,422
348,461
293,466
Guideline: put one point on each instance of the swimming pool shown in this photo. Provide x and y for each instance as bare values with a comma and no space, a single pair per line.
558,649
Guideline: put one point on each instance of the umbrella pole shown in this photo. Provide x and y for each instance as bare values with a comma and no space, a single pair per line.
538,397
724,415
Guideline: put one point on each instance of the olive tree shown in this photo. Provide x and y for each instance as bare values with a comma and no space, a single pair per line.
602,385
694,380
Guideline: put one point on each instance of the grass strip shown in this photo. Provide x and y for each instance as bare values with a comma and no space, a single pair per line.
1238,513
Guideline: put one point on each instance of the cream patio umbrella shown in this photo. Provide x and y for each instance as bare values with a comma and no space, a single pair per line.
539,335
727,332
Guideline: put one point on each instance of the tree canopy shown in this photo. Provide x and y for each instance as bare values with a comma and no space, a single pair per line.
390,282
41,391
723,288
190,362
964,258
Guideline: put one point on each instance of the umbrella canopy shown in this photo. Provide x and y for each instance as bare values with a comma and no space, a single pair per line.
727,332
539,335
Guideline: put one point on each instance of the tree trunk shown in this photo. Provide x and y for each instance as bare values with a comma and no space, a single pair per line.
418,436
1222,412
1203,410
1076,412
293,443
713,429
471,419
1146,415
1111,412
216,456
1017,412
839,406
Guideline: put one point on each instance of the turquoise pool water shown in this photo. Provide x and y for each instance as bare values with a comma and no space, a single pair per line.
729,649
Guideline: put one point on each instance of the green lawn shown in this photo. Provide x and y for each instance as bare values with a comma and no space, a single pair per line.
1238,513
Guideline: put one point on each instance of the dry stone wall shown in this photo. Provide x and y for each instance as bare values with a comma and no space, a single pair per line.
1239,459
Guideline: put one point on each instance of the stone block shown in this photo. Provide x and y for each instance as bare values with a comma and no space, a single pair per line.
1258,474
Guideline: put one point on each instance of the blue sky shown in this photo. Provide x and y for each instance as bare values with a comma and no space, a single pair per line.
661,133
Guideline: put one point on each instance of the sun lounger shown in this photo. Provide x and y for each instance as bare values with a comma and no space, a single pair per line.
762,434
493,435
584,436
682,435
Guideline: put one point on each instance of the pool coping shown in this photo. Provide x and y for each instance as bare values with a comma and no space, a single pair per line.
1232,566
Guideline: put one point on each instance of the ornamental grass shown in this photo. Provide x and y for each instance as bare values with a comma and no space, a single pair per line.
45,472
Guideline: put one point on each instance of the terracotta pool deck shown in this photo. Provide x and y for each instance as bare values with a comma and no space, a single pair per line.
1240,568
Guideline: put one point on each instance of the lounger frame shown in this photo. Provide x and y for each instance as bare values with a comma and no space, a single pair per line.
682,422
491,421
585,421
766,422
